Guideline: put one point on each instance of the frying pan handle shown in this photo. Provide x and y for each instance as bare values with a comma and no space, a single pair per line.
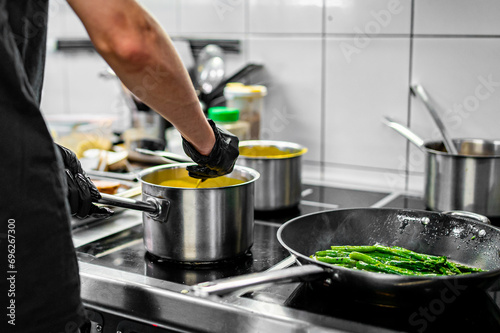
463,213
157,209
243,282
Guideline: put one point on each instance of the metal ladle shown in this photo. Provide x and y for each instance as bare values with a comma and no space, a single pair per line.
210,68
419,91
169,157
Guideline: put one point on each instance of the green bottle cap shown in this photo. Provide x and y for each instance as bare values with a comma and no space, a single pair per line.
223,114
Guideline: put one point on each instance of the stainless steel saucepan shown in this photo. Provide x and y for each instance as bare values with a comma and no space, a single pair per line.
280,184
468,180
193,225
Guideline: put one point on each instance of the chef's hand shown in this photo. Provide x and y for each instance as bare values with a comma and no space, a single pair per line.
221,159
81,191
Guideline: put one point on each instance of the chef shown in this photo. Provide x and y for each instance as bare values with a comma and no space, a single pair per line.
41,183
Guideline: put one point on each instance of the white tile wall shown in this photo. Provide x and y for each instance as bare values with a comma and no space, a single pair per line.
345,62
166,12
55,88
358,94
219,16
375,17
293,105
290,16
457,17
462,75
73,27
87,93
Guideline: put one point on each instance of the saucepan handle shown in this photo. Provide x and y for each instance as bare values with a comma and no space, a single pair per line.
463,213
406,132
157,209
244,282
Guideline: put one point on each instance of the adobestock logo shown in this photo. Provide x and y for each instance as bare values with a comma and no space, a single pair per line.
471,103
429,314
277,122
222,7
381,19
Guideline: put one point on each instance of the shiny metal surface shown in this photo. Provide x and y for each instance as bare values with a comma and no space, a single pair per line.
469,181
210,67
166,305
462,239
420,92
406,132
203,224
165,154
279,186
227,286
155,208
463,213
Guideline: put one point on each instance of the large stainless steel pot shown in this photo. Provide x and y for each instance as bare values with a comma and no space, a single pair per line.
279,186
194,225
469,180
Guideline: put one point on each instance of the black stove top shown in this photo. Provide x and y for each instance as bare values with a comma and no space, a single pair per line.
478,311
468,312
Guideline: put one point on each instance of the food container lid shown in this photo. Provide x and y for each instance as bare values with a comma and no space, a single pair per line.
223,114
236,89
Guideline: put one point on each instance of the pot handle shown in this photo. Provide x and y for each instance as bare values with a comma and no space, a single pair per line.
463,213
419,91
243,282
406,132
157,209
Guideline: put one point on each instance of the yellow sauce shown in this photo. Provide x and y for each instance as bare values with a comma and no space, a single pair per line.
189,182
270,152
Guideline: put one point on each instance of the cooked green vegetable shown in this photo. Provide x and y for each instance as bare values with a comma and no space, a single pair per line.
391,260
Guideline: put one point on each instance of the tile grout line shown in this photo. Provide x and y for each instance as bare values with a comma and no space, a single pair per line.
323,94
410,79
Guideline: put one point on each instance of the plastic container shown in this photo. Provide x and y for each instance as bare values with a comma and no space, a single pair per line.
228,118
249,100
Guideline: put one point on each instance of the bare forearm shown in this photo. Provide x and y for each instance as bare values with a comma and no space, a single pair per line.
143,57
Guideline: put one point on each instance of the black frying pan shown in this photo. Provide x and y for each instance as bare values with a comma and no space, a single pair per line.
461,238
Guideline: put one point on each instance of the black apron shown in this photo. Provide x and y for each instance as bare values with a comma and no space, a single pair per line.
46,288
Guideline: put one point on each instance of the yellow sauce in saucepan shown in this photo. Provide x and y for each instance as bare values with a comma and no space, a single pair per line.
189,182
270,152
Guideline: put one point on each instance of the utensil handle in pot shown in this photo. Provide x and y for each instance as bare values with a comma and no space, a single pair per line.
463,213
406,132
165,154
419,91
287,275
156,208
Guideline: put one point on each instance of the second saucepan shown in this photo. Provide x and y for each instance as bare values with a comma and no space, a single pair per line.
280,165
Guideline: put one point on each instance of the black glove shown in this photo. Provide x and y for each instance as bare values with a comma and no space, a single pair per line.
221,159
81,191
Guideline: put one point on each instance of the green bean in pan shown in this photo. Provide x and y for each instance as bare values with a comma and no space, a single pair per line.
391,260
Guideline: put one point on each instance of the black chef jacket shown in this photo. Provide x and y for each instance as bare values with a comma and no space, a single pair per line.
40,288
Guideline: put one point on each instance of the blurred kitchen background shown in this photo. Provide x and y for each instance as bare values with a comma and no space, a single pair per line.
333,69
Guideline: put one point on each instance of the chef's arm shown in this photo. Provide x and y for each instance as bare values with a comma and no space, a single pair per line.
143,57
